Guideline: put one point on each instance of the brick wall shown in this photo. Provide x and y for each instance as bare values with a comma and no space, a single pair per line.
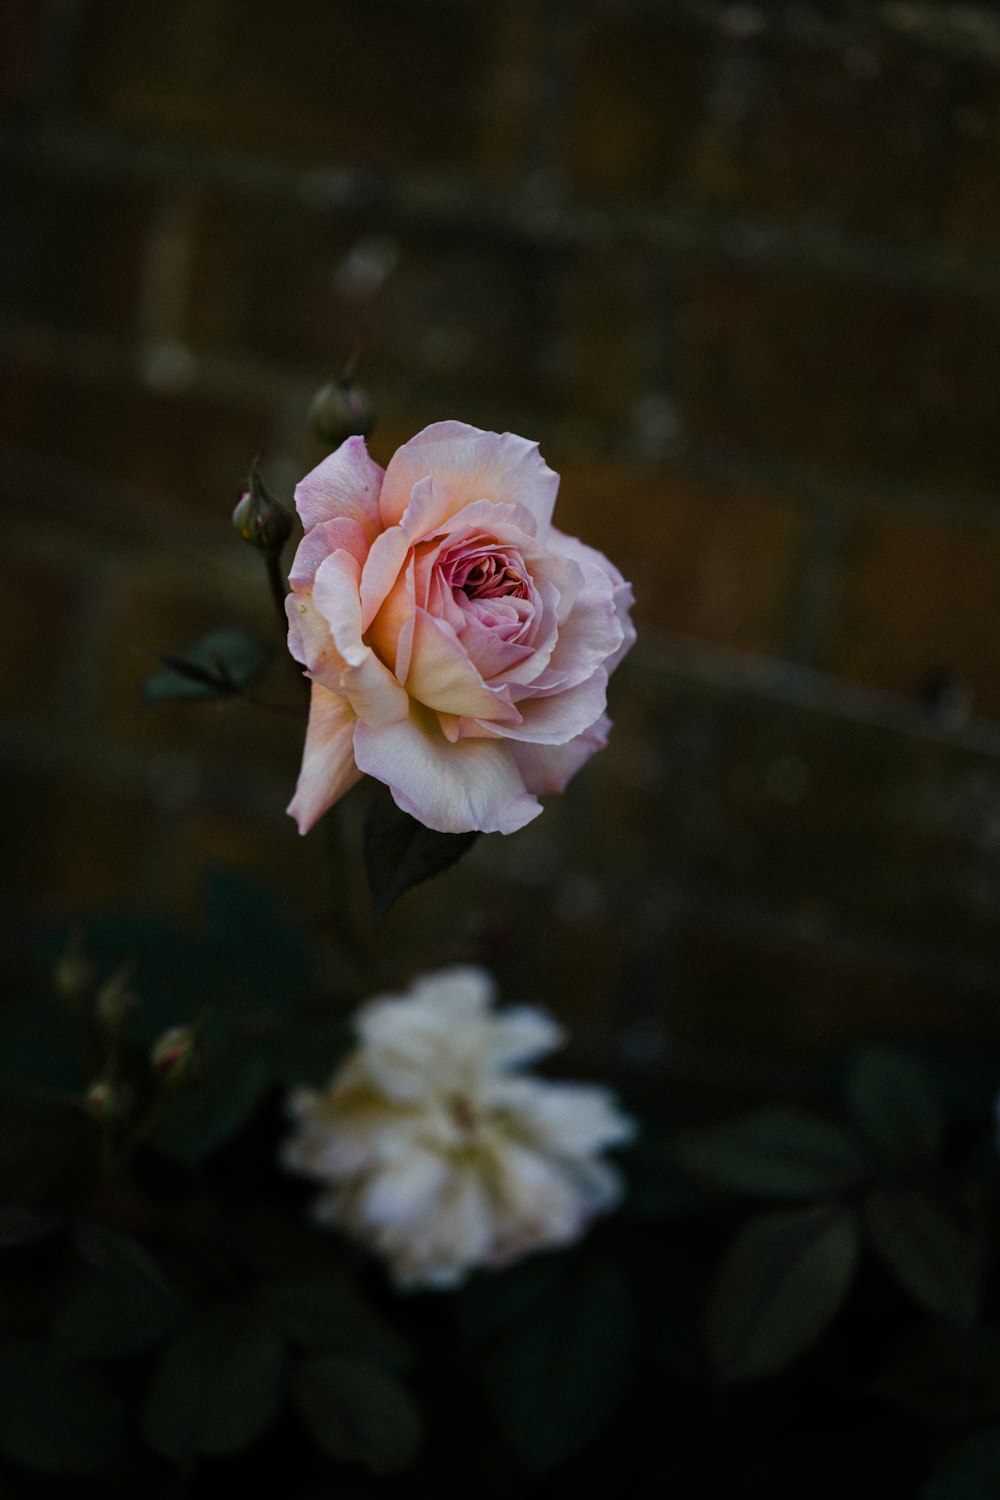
735,265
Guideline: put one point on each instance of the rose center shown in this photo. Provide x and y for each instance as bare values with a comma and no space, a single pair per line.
462,1114
488,575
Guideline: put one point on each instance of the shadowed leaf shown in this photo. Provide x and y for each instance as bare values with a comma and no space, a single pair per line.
217,1387
777,1153
357,1412
219,665
400,852
926,1251
895,1107
779,1285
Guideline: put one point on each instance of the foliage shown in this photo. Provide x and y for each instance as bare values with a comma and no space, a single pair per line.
793,1298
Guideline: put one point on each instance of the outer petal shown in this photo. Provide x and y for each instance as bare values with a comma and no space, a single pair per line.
475,465
471,785
571,546
549,768
365,681
345,484
555,720
328,767
317,544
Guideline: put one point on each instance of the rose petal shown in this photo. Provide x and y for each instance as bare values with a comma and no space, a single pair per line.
562,716
442,677
380,570
317,544
310,641
549,768
364,681
347,483
571,546
471,785
476,465
328,766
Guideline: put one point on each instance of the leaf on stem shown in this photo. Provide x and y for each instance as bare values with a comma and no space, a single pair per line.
219,665
779,1286
775,1153
400,852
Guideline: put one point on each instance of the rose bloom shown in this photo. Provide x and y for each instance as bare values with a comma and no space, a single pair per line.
437,1153
459,645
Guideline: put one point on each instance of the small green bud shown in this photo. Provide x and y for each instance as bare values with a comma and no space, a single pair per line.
340,410
74,973
115,1002
259,518
107,1100
173,1057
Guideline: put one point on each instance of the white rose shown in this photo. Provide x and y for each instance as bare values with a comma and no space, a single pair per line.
437,1153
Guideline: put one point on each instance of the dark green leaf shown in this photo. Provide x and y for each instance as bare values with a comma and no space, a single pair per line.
558,1378
970,1472
779,1286
659,1189
328,1314
400,852
220,664
59,1419
775,1153
202,1117
945,1374
217,1388
895,1107
495,1301
119,1254
110,1316
357,1412
926,1251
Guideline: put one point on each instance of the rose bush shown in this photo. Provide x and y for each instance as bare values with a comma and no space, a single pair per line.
458,644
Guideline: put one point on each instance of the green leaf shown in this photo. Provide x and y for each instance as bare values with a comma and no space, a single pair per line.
110,1317
779,1286
219,665
494,1301
925,1250
59,1419
895,1108
775,1153
400,852
118,1254
217,1387
357,1412
970,1472
945,1374
202,1117
558,1379
329,1314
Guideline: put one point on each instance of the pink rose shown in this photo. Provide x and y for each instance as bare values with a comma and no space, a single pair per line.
459,646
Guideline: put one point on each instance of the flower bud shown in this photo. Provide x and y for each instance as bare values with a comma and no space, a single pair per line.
115,1001
259,518
107,1100
339,411
173,1057
74,973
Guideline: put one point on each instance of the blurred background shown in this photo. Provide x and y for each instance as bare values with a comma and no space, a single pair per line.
736,267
